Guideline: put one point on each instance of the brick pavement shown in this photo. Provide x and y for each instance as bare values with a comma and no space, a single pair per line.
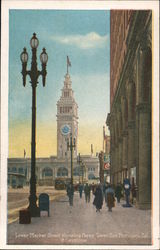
81,224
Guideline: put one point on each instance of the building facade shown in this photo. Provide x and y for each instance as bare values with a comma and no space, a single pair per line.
49,168
129,119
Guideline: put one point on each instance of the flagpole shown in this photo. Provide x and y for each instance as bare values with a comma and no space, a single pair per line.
67,65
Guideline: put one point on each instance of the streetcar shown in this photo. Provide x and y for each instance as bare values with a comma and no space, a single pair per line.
61,183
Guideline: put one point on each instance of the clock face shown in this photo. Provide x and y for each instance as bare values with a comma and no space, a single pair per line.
65,129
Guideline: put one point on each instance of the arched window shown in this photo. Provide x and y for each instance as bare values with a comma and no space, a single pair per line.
14,170
91,176
13,181
62,172
47,172
126,114
147,76
77,171
134,102
21,170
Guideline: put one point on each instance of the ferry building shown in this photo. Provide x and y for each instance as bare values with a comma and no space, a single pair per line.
47,169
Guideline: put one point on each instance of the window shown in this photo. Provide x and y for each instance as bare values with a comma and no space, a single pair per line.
47,172
14,170
66,109
66,94
21,170
91,177
77,171
62,172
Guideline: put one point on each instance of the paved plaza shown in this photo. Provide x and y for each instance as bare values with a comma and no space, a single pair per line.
81,224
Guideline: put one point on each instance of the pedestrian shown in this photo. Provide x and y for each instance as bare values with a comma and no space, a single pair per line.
127,188
98,200
109,198
70,193
104,187
80,189
87,190
118,192
93,187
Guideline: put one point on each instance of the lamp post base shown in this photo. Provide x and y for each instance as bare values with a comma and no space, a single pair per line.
33,208
34,211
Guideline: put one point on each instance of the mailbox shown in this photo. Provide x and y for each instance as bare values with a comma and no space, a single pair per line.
44,202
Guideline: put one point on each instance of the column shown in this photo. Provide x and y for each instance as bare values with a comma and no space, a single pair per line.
125,149
40,173
131,146
113,148
143,113
120,142
112,153
144,156
116,150
124,135
131,124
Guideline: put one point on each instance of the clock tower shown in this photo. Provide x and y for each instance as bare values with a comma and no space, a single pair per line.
67,118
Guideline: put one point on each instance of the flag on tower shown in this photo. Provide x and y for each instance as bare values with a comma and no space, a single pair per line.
24,153
91,149
68,62
104,132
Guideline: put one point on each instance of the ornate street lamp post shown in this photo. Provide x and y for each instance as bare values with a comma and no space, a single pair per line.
79,161
101,171
70,146
83,168
82,165
34,73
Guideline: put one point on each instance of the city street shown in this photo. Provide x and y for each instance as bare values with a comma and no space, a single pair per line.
81,224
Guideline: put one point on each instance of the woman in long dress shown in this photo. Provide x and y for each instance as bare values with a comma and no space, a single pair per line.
109,198
98,200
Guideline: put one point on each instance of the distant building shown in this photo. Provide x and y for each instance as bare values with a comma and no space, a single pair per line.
106,139
129,120
67,119
47,169
106,150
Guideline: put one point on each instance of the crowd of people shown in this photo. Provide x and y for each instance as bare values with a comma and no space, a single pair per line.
104,193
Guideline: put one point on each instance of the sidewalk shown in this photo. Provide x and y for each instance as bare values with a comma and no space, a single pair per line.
81,224
18,199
